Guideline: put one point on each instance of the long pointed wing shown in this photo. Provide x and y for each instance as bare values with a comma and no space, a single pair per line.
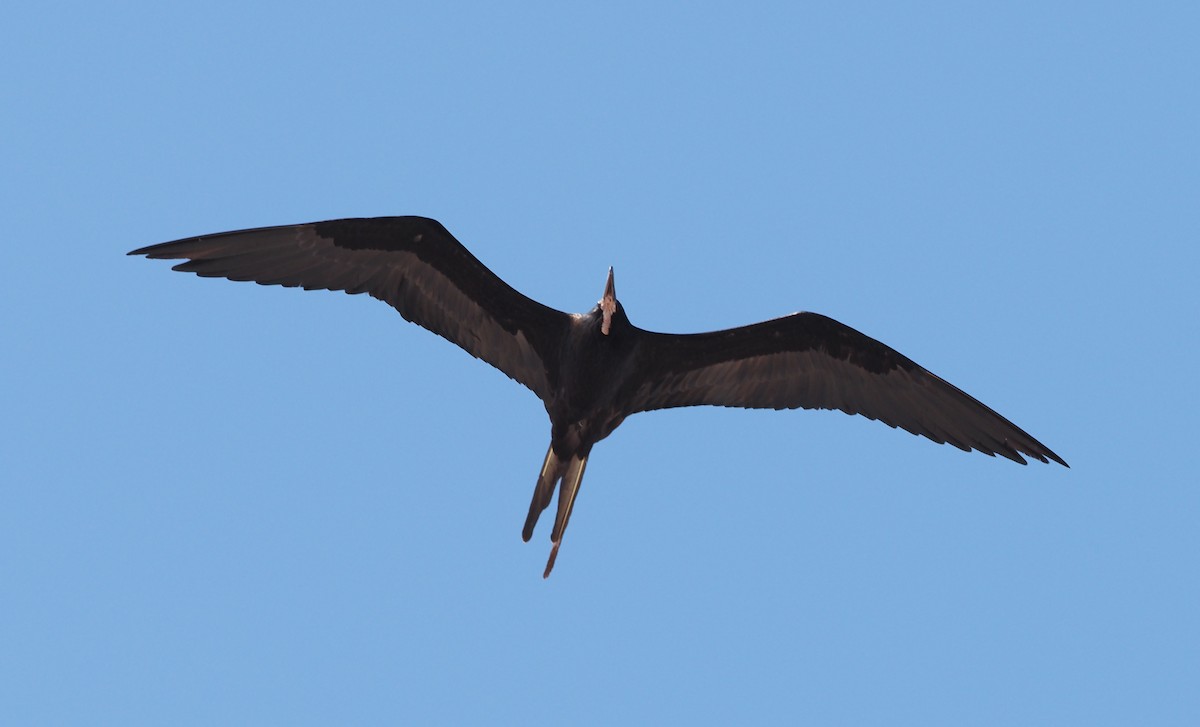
811,361
412,263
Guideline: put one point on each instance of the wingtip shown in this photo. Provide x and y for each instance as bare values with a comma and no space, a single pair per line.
1046,457
1043,454
1032,449
150,250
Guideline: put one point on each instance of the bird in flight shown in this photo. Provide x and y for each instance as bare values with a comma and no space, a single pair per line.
591,370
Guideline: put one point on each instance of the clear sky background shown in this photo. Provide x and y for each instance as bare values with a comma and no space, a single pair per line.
229,504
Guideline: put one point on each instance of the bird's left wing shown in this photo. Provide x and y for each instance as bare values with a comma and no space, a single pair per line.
412,263
812,361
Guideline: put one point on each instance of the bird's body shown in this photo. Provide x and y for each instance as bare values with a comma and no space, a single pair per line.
592,370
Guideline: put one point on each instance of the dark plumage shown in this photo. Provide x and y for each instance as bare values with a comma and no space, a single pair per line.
593,370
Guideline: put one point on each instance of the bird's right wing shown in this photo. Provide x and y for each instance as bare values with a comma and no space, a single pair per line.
412,263
811,361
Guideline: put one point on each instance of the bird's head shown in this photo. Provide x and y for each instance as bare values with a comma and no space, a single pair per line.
608,304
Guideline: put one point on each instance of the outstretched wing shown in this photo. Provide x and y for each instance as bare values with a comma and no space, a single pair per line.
811,361
412,263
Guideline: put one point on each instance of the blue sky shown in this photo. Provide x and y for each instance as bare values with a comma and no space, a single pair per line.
228,504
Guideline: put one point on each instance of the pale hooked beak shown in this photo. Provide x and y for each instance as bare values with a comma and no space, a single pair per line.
608,304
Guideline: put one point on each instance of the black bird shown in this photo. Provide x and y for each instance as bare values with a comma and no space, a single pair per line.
592,370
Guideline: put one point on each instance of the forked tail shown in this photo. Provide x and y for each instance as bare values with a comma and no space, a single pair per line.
554,470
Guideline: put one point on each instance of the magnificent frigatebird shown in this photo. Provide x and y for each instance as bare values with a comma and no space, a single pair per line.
592,370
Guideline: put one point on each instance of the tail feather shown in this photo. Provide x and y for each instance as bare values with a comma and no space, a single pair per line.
566,503
552,472
555,470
